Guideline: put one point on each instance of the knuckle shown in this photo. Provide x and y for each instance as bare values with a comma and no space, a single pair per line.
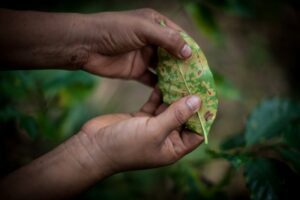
148,12
173,158
154,128
79,57
151,14
151,125
176,152
174,37
179,116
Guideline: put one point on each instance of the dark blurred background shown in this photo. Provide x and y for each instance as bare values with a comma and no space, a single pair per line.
252,48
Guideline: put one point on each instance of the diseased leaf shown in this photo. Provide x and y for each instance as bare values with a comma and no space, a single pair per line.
178,78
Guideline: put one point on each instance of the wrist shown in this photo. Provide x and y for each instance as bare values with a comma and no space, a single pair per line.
88,159
85,37
76,46
41,40
64,42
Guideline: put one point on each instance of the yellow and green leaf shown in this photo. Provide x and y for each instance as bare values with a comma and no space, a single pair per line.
178,78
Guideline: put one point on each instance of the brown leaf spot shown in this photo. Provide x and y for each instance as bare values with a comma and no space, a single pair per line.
209,92
208,115
199,72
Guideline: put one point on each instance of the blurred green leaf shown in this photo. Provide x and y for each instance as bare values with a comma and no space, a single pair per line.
29,124
53,97
270,119
8,112
234,7
292,135
189,185
225,88
235,159
74,118
53,83
269,179
12,85
291,156
239,8
204,18
234,141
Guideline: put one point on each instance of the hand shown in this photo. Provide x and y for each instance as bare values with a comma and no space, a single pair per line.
152,137
112,44
123,44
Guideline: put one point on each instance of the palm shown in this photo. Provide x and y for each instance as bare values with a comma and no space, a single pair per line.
131,132
133,64
151,108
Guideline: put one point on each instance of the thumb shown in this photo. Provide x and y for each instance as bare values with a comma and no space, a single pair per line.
166,38
178,113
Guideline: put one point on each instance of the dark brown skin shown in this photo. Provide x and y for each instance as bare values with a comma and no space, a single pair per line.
113,44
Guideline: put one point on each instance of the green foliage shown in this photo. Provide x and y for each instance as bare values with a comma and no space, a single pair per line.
269,179
225,88
291,134
232,142
50,104
30,125
268,150
44,103
205,19
271,119
291,156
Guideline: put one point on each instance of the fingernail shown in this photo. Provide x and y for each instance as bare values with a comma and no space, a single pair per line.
186,51
193,102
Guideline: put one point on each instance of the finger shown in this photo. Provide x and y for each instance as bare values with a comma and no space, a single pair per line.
150,56
184,142
169,23
153,102
162,107
148,78
165,37
93,125
157,17
177,114
190,140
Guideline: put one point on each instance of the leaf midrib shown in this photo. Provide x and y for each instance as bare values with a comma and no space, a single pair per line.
198,112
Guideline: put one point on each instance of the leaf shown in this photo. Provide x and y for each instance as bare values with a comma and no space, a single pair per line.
205,19
269,179
236,160
178,78
29,124
233,141
292,135
270,119
8,113
291,156
225,88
